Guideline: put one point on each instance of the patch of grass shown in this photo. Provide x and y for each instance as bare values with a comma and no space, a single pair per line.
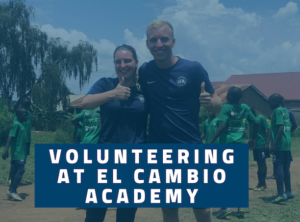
295,146
260,209
41,137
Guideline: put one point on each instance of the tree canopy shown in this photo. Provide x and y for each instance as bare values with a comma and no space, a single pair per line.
31,63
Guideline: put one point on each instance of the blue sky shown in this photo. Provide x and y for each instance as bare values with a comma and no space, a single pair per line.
226,36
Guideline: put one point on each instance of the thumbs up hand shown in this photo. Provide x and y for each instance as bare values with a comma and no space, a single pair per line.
205,97
122,92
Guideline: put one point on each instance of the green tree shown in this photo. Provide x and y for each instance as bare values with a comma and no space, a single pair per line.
21,47
30,62
6,119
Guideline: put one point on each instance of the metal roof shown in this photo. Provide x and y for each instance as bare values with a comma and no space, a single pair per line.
221,90
286,84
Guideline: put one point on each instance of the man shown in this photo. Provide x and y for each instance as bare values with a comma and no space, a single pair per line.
173,86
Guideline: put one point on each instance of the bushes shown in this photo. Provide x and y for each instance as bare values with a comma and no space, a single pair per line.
296,133
46,120
6,120
64,133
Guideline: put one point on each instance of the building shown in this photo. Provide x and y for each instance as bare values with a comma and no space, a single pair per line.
286,84
251,96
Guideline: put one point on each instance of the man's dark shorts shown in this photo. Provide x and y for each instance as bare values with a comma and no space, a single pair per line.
280,157
260,154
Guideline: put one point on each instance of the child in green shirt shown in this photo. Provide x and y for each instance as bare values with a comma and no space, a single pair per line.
17,139
232,129
260,153
90,120
210,127
25,103
281,147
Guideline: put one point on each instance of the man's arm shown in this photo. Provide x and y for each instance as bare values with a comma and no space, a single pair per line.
211,102
221,128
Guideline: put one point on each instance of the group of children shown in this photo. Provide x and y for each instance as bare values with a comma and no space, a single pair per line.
230,127
19,140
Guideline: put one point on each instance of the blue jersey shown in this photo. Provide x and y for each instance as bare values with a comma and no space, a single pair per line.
173,94
123,121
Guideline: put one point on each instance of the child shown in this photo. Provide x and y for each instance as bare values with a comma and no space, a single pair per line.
232,129
17,139
260,153
293,127
25,103
90,120
210,127
281,147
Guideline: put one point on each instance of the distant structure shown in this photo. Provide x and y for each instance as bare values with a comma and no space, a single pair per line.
286,84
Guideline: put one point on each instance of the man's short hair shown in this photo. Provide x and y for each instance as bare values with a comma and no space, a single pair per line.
158,24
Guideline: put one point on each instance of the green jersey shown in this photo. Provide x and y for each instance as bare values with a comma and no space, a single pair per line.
90,125
27,126
77,132
235,116
262,136
280,117
210,127
18,136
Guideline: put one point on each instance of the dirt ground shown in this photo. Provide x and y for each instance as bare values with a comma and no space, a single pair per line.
24,211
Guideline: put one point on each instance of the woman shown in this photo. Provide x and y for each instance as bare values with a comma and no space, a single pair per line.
123,114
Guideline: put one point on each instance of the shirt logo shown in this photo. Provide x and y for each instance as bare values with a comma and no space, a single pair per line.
150,82
181,81
232,113
141,98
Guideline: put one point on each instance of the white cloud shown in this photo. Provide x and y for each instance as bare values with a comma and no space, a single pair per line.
224,40
231,41
72,36
291,8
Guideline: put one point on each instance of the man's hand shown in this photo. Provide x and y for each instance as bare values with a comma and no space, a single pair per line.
5,155
205,97
121,92
251,144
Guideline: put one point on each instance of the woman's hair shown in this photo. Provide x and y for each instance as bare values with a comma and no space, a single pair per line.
132,50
